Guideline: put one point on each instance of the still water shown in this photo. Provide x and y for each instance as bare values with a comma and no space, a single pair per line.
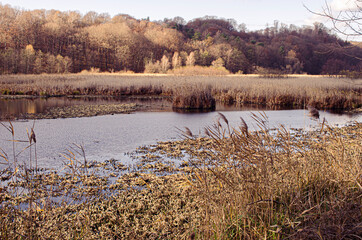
113,136
16,108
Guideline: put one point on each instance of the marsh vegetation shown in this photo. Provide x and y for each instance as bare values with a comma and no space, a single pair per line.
295,91
231,183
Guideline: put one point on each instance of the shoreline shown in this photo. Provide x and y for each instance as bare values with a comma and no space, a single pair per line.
161,200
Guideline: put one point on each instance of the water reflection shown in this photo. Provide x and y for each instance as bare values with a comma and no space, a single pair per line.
17,108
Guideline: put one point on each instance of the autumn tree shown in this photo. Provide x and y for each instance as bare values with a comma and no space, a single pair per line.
28,58
190,61
176,60
165,64
218,63
168,39
38,63
236,61
55,42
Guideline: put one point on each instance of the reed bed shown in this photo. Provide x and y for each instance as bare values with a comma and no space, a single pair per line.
294,91
193,97
232,183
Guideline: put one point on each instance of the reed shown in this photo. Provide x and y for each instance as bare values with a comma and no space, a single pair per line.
294,91
277,184
193,97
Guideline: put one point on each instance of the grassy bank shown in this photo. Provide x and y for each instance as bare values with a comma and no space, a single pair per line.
295,91
234,184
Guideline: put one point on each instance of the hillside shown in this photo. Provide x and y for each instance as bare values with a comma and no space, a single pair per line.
56,42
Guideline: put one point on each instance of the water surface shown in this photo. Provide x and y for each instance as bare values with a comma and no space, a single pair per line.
112,136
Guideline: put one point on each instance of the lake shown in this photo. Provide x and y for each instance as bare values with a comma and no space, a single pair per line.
113,136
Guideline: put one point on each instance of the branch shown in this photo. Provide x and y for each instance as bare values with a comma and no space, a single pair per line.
349,18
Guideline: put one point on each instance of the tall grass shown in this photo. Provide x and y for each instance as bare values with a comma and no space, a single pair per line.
296,91
278,185
193,97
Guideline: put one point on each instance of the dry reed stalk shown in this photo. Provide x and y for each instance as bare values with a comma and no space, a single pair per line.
275,185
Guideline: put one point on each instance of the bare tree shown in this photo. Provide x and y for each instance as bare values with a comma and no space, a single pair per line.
347,21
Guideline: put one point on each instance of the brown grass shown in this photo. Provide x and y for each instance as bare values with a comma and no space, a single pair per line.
295,91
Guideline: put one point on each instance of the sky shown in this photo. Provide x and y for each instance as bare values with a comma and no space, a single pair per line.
256,14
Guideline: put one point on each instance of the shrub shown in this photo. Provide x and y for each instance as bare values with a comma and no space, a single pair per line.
92,70
151,67
351,74
271,73
5,92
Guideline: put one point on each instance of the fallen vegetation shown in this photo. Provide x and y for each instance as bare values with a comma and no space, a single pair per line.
233,183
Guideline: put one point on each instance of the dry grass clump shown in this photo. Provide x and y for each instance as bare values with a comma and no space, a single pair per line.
111,84
199,71
193,97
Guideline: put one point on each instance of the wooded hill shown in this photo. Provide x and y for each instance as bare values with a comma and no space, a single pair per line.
57,42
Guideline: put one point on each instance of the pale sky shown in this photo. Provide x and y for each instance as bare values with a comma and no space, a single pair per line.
254,13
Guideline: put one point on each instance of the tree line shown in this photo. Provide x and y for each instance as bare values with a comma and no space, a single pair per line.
51,41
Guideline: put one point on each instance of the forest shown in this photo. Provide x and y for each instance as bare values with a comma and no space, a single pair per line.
51,41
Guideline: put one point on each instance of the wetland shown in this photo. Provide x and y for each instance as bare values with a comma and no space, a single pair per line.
116,167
